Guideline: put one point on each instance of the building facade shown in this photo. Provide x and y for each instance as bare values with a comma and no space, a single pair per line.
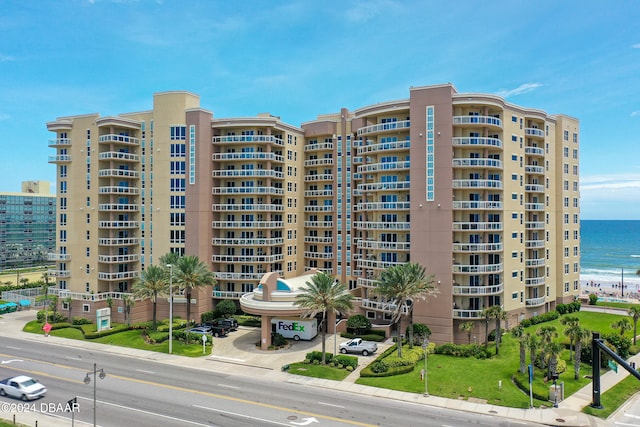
482,192
27,226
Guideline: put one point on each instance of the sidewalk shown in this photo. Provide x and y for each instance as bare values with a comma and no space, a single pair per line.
238,349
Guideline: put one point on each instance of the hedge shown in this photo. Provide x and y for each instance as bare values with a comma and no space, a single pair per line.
397,370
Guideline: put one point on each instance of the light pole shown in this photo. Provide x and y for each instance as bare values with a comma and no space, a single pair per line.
425,347
87,380
170,307
335,337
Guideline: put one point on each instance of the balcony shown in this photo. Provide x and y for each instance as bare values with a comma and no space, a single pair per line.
477,183
319,255
534,188
247,258
477,290
318,193
472,269
319,147
384,186
534,133
58,257
318,224
118,241
534,169
319,162
111,259
119,139
385,147
489,121
124,275
247,224
118,207
373,225
247,190
318,177
477,226
60,142
534,206
318,239
535,262
370,263
534,281
247,242
477,247
323,208
253,208
468,314
476,142
384,127
118,224
532,244
247,156
230,139
115,189
534,151
466,205
534,302
228,294
386,307
239,276
534,225
118,173
117,155
379,245
384,167
383,206
477,163
247,173
59,273
60,158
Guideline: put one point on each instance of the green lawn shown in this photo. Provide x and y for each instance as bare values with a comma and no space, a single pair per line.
130,339
318,371
613,398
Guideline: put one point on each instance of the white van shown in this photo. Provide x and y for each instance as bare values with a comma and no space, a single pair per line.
296,328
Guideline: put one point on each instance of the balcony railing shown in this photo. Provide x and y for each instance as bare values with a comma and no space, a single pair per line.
247,156
328,208
228,294
247,259
385,146
225,207
60,158
239,173
477,247
319,162
534,188
477,226
468,314
384,186
117,155
534,281
59,273
118,224
319,177
58,257
534,206
534,151
118,173
118,207
384,167
118,275
537,262
318,193
370,263
110,259
247,138
534,302
239,276
319,255
247,242
320,146
318,239
477,163
379,245
477,205
470,269
116,189
373,225
116,241
534,132
477,121
534,244
477,290
384,127
319,224
59,142
477,183
386,307
247,224
382,206
247,190
476,142
534,169
120,139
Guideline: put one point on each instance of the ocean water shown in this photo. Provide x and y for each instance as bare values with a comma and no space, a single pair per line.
610,252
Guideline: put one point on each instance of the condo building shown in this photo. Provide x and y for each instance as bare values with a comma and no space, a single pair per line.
483,193
27,226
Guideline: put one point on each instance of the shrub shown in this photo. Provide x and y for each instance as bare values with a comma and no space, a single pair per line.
80,321
114,330
379,367
358,324
51,317
622,344
420,332
409,358
278,340
463,350
317,356
348,361
593,299
367,372
541,318
568,308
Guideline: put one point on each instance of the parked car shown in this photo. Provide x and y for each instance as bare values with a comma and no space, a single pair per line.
357,345
22,387
229,323
209,329
201,330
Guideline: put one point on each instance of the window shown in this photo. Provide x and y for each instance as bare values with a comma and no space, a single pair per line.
178,150
178,133
565,135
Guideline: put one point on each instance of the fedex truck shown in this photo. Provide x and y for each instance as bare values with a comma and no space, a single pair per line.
296,328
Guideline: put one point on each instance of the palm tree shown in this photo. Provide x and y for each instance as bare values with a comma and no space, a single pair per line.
547,334
401,285
623,324
191,273
553,350
581,337
468,328
128,302
533,343
486,313
151,284
324,294
573,328
498,314
68,300
634,312
519,334
170,258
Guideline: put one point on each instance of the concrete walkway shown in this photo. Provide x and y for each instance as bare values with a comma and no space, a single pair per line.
237,354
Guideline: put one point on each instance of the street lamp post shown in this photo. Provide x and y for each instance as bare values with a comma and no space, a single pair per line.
425,347
87,380
170,307
335,336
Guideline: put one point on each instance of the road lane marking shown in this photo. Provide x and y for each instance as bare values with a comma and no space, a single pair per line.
145,372
74,358
240,415
228,386
227,358
181,420
331,404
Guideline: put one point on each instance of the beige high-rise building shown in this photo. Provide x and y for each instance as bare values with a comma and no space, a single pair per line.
482,192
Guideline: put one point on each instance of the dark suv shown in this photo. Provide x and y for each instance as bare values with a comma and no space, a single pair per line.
230,323
215,330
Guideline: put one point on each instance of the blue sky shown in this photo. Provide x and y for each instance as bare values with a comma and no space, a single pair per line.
298,59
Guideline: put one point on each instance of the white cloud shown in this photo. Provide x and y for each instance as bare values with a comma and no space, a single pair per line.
610,182
523,88
4,116
635,113
365,11
635,46
5,58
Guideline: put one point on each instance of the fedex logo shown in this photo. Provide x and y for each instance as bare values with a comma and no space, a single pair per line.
293,326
